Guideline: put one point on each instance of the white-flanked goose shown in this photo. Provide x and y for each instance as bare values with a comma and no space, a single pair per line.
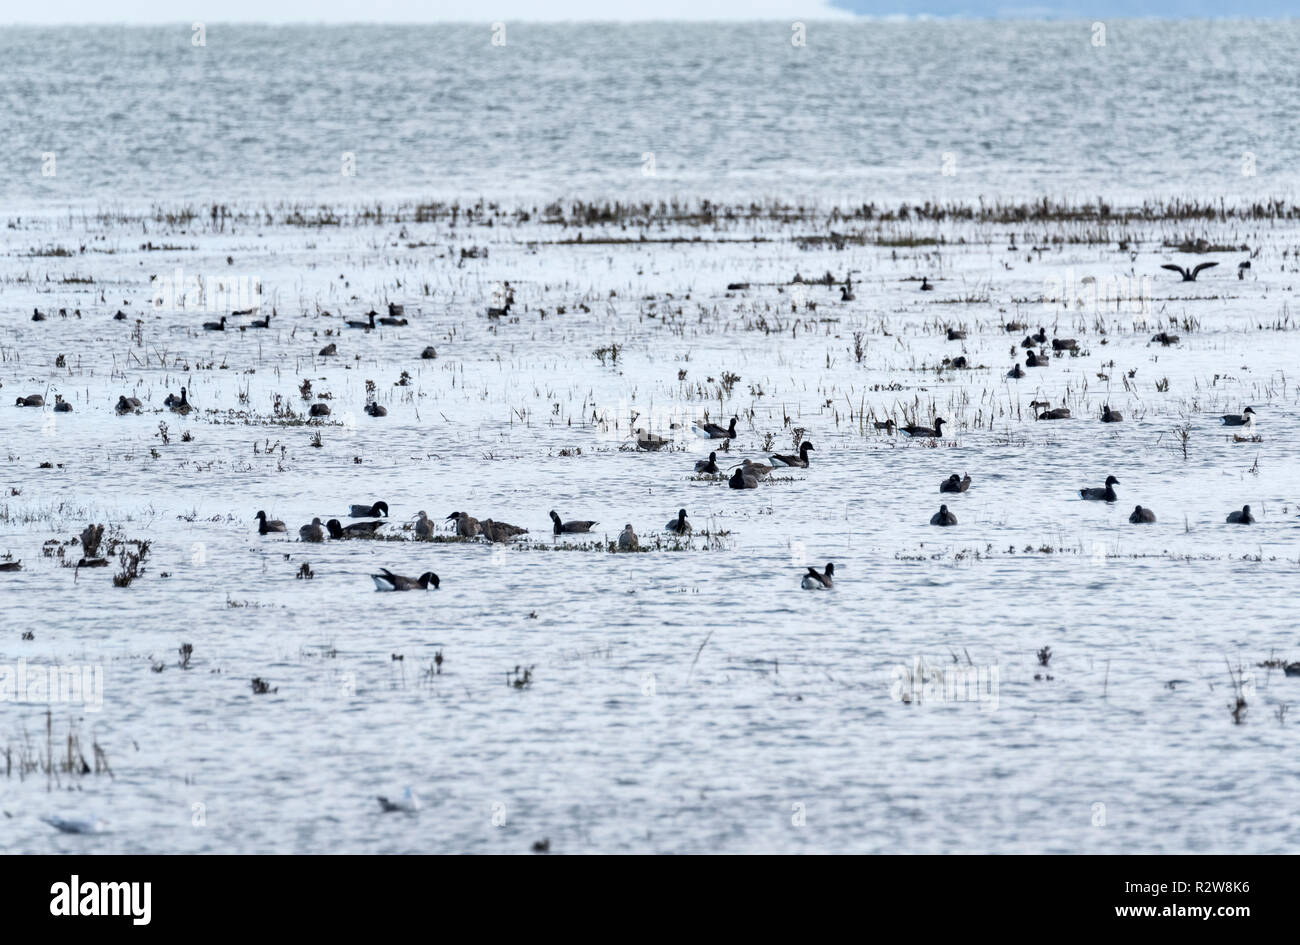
1101,495
679,525
715,432
816,580
386,580
943,517
560,528
266,526
800,461
1244,419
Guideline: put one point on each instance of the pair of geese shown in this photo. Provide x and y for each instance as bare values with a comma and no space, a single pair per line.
221,325
36,400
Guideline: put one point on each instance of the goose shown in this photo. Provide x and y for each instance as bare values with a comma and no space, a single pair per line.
35,400
393,320
329,350
1029,342
1244,419
1056,413
500,531
1141,516
498,312
126,405
627,540
408,803
560,528
1110,416
376,410
943,517
679,525
955,334
1101,495
886,425
1011,327
313,532
953,484
800,461
180,404
377,510
61,405
1241,269
266,526
1188,276
1064,344
386,580
366,325
38,315
1164,338
1241,518
261,322
1040,336
925,284
395,310
740,479
649,441
119,316
715,432
11,565
1017,372
356,530
1037,360
709,465
424,528
215,326
846,293
319,410
918,431
429,353
466,526
818,581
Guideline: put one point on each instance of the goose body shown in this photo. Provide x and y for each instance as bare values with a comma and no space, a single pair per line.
1064,344
943,517
816,580
215,326
386,580
1058,413
61,405
913,430
1165,339
377,510
34,400
126,405
1035,360
715,432
314,532
408,803
376,410
266,526
1016,372
560,528
319,410
709,465
179,404
366,325
679,525
1241,518
1141,516
956,335
953,484
1101,495
260,322
1110,416
742,480
1243,419
356,530
800,461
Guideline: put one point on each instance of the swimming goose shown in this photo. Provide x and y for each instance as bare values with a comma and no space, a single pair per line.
953,484
386,580
215,326
649,441
319,410
1241,518
367,325
378,510
1165,339
818,581
1057,413
126,405
918,431
800,461
499,311
260,322
956,335
886,425
35,400
1188,276
943,517
61,405
627,540
560,528
466,526
375,410
329,350
265,526
500,531
1064,344
1102,495
1141,516
1016,372
313,532
1040,336
715,432
1035,360
1243,419
925,284
1110,416
395,313
179,404
846,294
679,525
38,315
424,527
709,465
742,480
356,530
1241,269
11,565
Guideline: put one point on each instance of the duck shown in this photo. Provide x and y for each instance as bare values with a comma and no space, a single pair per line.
313,532
1141,516
366,325
265,526
1101,495
649,441
560,528
913,430
355,530
376,510
1016,372
1110,416
386,580
740,479
953,484
943,517
424,527
816,580
709,465
1056,413
1241,518
376,410
679,525
627,540
61,405
715,432
34,400
1188,276
1244,419
500,531
1036,360
126,405
466,525
800,461
215,326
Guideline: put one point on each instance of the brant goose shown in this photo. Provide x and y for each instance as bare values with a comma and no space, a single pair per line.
741,479
800,461
265,526
918,431
1016,372
35,400
1064,344
261,322
1244,419
560,528
1110,416
215,326
887,425
1188,276
408,803
466,525
367,325
715,432
1058,413
375,410
953,484
925,284
179,404
424,527
649,441
709,465
679,525
943,517
846,293
126,405
1165,339
11,565
312,532
818,581
378,510
627,540
1141,516
956,335
1241,518
329,350
386,580
61,405
1036,360
1102,495
356,530
319,410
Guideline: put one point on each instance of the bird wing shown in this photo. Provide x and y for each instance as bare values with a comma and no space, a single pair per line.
1173,267
1204,265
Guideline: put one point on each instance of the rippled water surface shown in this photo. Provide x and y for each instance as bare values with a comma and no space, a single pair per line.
691,697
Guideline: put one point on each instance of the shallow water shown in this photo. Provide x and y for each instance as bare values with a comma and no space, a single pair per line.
690,698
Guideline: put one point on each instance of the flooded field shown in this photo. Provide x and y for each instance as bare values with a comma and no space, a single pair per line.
1043,676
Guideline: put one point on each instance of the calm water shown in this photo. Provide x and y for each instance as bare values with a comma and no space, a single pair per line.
684,699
